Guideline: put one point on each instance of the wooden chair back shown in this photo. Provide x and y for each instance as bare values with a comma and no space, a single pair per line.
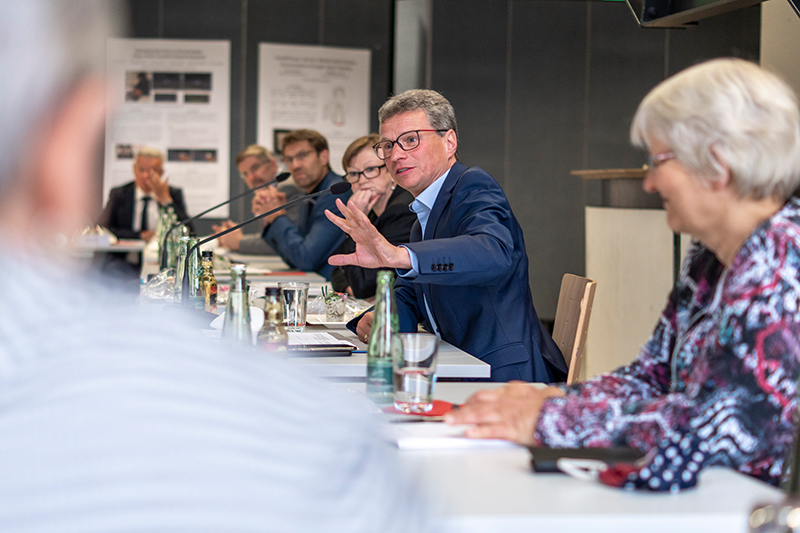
572,320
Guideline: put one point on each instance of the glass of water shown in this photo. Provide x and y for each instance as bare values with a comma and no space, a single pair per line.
415,372
294,296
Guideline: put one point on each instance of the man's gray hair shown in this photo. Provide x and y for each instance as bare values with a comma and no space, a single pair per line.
730,111
45,47
438,110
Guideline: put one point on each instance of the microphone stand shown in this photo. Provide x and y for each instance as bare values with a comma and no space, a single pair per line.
185,285
280,178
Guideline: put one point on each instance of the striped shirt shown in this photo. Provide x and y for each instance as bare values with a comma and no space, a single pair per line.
118,419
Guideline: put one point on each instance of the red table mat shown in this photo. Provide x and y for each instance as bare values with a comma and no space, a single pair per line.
440,407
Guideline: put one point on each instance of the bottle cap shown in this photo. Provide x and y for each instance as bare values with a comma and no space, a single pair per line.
272,291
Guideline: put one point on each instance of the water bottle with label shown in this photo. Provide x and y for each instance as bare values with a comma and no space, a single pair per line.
383,342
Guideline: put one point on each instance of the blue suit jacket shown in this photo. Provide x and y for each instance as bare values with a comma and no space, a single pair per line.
308,245
474,274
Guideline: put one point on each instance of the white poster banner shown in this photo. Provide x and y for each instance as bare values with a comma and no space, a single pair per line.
318,87
175,96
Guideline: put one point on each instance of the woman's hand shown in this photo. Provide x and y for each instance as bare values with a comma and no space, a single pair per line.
363,200
509,412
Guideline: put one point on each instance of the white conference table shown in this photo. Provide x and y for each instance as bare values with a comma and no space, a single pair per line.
453,363
269,270
490,490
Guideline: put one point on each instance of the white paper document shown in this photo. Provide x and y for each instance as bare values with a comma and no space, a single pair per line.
316,338
437,436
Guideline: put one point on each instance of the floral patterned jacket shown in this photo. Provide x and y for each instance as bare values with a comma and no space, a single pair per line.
722,363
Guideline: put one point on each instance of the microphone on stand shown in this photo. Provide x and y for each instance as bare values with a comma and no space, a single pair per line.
337,188
280,178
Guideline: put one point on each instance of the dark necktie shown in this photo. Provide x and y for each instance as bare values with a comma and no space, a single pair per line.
145,221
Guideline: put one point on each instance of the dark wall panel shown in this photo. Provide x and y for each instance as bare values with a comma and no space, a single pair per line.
295,22
146,18
469,69
546,123
354,23
734,34
625,63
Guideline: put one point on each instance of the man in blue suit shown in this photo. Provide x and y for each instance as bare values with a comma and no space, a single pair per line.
307,244
464,275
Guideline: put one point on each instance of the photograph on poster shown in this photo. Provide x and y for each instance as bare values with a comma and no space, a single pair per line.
124,151
165,97
179,155
167,80
277,140
204,156
137,86
187,155
196,99
197,81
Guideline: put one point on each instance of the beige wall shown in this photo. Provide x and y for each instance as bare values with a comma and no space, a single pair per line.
780,40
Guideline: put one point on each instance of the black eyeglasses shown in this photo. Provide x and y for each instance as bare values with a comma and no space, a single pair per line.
299,156
369,173
407,141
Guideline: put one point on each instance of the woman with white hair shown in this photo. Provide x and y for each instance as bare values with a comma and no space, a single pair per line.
716,383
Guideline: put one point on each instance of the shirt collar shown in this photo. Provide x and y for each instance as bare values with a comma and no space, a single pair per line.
140,193
426,199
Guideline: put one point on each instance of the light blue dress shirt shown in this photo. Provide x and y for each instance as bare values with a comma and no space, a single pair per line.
422,206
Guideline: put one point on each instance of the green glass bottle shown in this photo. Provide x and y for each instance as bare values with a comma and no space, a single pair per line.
164,222
196,296
273,336
183,248
236,328
173,245
383,341
208,282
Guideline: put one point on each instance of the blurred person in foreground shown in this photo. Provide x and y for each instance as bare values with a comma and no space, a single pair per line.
464,273
720,369
115,420
386,205
256,166
306,244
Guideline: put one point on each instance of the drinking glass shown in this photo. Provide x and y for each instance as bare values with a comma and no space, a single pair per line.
415,372
294,296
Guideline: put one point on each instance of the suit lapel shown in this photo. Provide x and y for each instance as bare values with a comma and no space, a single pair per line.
416,232
129,203
442,200
445,193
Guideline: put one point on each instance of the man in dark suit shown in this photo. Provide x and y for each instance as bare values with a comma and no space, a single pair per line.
464,275
132,208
